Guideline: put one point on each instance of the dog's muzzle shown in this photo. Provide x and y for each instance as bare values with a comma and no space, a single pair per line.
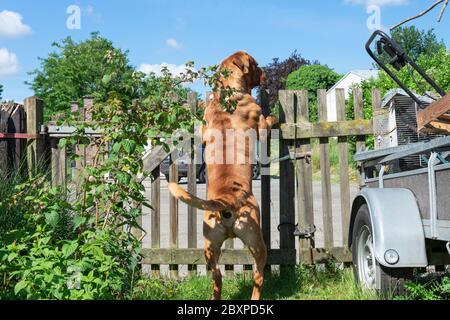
226,214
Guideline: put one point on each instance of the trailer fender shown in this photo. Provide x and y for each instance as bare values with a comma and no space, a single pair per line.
396,225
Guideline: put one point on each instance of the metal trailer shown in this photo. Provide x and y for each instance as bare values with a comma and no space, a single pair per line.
400,220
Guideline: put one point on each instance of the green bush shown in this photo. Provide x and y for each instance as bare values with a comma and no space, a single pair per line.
312,78
429,288
48,253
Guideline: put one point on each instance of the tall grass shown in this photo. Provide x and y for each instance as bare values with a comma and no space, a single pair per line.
305,283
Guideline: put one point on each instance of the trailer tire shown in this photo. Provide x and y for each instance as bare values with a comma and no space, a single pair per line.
368,272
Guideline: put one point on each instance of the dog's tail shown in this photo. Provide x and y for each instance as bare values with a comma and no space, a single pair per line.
209,205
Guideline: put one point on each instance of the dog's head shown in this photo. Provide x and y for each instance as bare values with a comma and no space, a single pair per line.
245,73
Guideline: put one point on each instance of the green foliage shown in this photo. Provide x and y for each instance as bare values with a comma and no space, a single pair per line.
1,91
77,241
312,78
416,42
437,288
88,68
303,283
366,87
437,66
46,254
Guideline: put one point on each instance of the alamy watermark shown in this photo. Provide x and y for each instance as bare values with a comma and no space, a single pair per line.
73,22
225,147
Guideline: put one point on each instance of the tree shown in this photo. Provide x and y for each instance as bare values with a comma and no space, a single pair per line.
1,91
312,78
436,65
91,67
416,42
277,72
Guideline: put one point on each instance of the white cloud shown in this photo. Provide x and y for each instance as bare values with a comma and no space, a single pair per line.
173,43
9,65
156,68
11,25
378,2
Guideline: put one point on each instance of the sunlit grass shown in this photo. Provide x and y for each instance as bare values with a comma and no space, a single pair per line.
304,283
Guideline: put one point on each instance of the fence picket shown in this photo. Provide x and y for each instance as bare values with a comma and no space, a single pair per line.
265,179
305,200
192,187
173,211
325,173
344,181
287,182
156,215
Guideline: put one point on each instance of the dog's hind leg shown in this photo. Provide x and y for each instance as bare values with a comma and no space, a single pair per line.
259,252
247,228
214,236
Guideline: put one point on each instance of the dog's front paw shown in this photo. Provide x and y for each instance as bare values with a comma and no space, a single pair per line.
272,121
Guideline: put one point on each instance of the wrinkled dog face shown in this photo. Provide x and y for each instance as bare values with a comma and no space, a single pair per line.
245,73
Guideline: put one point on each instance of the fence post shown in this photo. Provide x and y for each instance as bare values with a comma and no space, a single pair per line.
344,182
287,182
305,200
192,187
34,109
325,174
58,163
173,214
156,215
380,122
358,105
265,179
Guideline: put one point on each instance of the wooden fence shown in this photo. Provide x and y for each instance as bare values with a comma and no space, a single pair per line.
20,137
296,190
296,196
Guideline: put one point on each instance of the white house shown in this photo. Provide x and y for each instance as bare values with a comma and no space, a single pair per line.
351,78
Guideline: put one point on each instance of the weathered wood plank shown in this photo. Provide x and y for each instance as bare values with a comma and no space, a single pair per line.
12,126
305,201
265,179
325,174
321,255
153,158
324,129
344,181
155,232
287,181
34,109
58,164
173,214
228,256
358,108
248,271
192,187
433,112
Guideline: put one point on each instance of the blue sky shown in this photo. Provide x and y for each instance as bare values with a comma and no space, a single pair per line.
176,31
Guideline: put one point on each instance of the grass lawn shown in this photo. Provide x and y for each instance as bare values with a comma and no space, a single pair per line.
304,283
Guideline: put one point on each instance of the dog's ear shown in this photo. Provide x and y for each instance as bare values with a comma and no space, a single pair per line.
242,62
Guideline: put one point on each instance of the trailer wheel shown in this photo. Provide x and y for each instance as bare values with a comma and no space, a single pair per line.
368,272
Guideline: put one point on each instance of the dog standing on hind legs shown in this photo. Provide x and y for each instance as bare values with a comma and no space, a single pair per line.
231,209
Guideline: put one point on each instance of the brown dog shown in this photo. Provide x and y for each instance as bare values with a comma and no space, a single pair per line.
231,209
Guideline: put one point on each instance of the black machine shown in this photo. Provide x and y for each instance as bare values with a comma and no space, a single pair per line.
398,59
